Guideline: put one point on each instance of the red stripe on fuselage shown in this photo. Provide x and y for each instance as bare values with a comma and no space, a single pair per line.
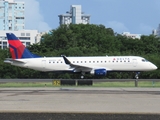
19,47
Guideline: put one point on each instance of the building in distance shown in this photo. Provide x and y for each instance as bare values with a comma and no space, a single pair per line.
27,37
12,15
74,16
133,36
156,32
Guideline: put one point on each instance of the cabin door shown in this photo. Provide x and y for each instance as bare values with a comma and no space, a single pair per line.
43,64
134,62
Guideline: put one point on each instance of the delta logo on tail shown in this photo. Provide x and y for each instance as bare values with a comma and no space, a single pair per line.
17,49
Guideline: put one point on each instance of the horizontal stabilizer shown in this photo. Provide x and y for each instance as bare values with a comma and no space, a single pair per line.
10,60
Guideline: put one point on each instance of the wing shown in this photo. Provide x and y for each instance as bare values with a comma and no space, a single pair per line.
80,68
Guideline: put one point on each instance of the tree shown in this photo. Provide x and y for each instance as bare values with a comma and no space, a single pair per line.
86,40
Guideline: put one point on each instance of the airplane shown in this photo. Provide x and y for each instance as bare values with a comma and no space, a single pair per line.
95,65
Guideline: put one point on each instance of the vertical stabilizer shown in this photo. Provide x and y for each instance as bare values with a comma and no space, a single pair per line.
17,49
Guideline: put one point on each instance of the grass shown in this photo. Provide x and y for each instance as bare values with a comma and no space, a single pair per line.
127,84
96,84
38,84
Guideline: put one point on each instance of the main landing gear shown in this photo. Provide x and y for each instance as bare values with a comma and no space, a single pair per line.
137,75
82,76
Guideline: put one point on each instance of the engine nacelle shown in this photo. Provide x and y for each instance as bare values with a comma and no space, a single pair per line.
99,72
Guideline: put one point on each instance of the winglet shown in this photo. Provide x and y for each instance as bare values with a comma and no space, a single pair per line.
66,60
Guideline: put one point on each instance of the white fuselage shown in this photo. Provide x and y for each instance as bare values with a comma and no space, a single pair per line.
110,63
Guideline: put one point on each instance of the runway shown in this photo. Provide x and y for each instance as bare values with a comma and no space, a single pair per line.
80,100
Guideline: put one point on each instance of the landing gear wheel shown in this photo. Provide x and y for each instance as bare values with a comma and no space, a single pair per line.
137,75
82,76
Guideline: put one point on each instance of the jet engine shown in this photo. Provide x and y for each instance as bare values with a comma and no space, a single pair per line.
99,72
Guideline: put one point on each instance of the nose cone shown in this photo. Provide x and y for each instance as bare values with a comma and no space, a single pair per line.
154,67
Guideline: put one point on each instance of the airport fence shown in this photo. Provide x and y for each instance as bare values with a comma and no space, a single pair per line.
78,82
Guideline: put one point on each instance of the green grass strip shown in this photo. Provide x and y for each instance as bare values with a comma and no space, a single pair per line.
96,84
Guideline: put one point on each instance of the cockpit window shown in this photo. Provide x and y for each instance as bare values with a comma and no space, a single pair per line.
144,60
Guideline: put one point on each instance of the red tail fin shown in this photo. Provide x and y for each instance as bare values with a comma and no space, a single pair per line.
17,49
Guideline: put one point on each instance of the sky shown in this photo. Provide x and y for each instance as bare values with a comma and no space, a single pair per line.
134,16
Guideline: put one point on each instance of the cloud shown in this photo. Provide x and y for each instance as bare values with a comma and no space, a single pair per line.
117,26
33,18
